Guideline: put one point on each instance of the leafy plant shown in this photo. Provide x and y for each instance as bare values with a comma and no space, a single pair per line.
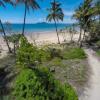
98,43
40,85
98,52
54,52
27,54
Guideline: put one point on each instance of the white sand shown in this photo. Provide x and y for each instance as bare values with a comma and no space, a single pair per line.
50,37
43,38
3,48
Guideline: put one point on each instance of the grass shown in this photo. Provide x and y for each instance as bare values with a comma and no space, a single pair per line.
74,53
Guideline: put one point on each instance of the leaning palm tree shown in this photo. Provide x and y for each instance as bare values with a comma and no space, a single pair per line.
55,14
83,15
28,4
3,30
78,17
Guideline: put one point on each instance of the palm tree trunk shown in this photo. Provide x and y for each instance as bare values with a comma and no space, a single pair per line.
80,36
84,35
24,20
57,32
5,37
14,48
72,36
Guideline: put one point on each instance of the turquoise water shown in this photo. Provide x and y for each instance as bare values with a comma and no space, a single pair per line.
33,28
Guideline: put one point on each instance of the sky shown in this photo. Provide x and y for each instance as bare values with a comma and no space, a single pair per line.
15,14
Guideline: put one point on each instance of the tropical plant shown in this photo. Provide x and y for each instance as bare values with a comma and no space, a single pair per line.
55,14
83,15
14,38
2,27
41,85
28,4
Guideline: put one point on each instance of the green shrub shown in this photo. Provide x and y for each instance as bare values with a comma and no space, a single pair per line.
98,52
40,85
54,52
27,54
74,53
56,62
98,43
43,55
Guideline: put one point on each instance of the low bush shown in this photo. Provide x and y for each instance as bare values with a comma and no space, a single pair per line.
40,85
74,53
98,43
98,52
54,52
56,62
28,55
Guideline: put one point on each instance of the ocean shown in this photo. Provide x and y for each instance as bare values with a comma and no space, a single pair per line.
33,28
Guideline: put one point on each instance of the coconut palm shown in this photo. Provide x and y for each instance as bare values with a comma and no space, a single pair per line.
2,30
78,16
55,14
83,15
28,4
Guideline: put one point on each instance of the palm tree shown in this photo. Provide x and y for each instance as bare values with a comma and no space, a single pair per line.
78,17
55,14
28,4
3,30
83,15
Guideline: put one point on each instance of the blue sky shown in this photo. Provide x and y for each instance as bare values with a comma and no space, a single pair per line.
15,14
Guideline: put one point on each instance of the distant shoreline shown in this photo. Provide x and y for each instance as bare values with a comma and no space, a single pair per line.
34,28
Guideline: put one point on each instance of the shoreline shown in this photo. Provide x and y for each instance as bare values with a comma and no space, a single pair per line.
43,38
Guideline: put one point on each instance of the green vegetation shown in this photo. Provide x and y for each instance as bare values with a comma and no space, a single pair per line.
98,43
74,53
98,52
55,14
35,77
88,17
40,85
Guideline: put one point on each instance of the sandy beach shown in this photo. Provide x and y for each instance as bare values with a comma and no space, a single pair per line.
50,37
40,39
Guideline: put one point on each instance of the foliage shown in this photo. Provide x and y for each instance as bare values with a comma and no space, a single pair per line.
98,43
14,38
88,16
40,85
98,52
43,55
74,53
56,12
27,54
56,62
54,52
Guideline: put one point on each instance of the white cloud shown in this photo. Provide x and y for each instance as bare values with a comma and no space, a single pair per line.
69,20
68,13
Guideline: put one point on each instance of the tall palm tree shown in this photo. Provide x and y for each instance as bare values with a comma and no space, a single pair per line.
83,15
28,4
55,14
78,17
3,30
